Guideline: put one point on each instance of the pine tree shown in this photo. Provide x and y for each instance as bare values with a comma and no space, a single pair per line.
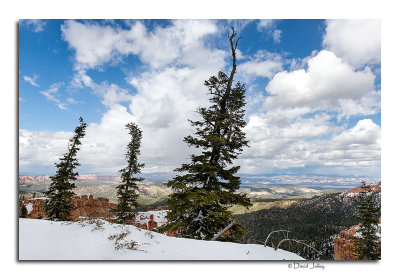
367,247
24,211
207,188
58,205
127,191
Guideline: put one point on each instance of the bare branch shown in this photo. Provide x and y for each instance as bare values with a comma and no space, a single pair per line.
287,233
237,42
297,241
224,230
233,71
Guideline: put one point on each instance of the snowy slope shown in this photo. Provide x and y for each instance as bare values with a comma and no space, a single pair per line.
88,240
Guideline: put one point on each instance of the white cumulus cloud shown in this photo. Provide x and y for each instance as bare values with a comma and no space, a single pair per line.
96,44
326,80
357,41
353,151
165,96
292,124
260,68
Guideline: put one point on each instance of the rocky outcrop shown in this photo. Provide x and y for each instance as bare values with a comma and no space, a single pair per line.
91,207
173,234
355,191
151,224
151,219
344,243
145,223
34,207
87,206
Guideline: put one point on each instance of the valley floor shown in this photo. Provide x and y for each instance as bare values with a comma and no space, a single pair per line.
101,240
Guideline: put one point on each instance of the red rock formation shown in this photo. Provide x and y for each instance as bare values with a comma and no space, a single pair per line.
163,207
344,243
141,225
152,224
35,208
90,207
86,207
359,189
173,234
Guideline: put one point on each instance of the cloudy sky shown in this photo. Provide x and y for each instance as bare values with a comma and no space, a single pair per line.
313,92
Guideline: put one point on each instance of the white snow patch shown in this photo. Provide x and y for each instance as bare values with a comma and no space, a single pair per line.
359,234
351,195
47,240
160,216
29,207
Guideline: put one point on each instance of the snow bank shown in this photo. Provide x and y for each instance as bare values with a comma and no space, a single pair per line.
89,240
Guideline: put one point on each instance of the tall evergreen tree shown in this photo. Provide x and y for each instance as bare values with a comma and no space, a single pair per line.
127,191
207,188
24,211
367,247
58,205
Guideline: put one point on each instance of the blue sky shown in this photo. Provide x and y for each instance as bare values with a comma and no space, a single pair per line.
313,91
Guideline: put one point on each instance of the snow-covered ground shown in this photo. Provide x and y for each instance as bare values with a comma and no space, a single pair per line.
99,240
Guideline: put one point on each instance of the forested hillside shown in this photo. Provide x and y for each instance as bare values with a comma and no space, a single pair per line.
316,221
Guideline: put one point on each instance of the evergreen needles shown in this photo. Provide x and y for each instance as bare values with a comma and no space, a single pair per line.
207,187
127,195
367,247
24,211
58,205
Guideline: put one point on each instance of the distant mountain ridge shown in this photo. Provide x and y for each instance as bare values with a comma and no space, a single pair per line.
96,185
281,180
24,179
156,192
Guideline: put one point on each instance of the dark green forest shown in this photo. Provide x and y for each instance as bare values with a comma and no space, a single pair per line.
316,221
